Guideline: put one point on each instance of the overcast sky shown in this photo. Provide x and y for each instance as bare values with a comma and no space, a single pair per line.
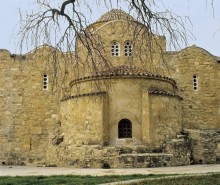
205,26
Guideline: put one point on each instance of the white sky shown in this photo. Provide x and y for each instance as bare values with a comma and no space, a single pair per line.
205,26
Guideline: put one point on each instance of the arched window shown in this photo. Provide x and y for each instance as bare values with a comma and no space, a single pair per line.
125,129
115,48
195,83
128,48
45,82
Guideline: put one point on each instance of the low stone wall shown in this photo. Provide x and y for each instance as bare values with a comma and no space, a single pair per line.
139,156
205,146
192,147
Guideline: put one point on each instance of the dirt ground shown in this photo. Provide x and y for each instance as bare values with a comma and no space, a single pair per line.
30,171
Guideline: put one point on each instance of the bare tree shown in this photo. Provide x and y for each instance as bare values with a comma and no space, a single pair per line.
62,24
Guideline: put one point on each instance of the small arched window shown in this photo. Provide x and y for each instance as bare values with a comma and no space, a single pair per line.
128,48
115,48
45,82
125,129
195,83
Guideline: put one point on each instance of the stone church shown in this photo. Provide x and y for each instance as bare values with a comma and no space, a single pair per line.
149,107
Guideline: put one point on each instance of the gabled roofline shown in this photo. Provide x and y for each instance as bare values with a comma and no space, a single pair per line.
196,47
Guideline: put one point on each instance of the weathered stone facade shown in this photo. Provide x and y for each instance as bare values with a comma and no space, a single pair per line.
140,114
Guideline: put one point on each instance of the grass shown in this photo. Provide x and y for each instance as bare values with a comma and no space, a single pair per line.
211,179
68,179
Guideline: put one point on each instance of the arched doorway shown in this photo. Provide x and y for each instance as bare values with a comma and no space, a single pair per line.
125,129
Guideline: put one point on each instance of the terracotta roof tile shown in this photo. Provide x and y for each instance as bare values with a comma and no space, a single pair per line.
82,95
123,70
163,92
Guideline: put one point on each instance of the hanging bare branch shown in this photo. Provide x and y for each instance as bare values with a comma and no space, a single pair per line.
64,26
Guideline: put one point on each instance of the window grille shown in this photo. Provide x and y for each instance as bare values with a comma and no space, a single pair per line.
45,82
195,83
128,48
115,48
125,129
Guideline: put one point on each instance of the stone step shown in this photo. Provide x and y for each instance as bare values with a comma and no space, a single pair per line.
180,136
180,140
146,154
142,160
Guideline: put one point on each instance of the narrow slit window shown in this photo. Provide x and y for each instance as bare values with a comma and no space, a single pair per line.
115,48
195,83
45,82
128,48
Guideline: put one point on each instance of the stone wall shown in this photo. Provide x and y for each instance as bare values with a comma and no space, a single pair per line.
165,119
96,156
5,125
84,120
27,111
205,145
201,108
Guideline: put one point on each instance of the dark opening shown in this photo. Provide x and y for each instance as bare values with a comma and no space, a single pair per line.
125,129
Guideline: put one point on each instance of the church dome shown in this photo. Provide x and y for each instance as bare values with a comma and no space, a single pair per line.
115,14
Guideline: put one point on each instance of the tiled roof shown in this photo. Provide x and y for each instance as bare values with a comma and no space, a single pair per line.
115,14
163,92
123,71
83,95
